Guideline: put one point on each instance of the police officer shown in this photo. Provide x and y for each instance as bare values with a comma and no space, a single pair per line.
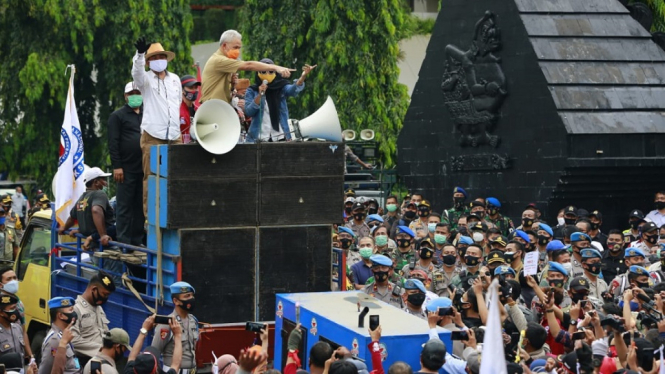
42,203
633,257
347,240
648,242
579,241
424,263
404,254
613,261
501,222
13,219
414,297
92,324
635,220
357,222
62,314
473,260
382,288
115,344
8,239
459,208
495,259
569,218
591,262
184,300
443,276
11,333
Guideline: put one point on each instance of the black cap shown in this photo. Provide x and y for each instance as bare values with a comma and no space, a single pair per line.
597,214
582,213
570,210
358,206
147,361
648,227
480,225
579,284
513,368
477,203
189,81
433,354
6,299
12,361
637,214
350,192
106,281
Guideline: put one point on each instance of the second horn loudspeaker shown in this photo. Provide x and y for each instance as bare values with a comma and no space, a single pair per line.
216,127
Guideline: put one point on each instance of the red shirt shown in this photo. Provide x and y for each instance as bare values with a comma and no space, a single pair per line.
186,117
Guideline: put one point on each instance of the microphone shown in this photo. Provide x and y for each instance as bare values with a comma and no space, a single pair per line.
265,81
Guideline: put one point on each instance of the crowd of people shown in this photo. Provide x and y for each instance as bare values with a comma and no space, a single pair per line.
595,303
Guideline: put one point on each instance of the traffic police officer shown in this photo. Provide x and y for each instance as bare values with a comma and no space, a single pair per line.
62,315
459,208
382,288
11,333
633,257
403,254
414,297
184,300
92,324
501,222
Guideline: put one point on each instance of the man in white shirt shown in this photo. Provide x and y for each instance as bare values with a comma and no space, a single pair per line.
657,215
162,95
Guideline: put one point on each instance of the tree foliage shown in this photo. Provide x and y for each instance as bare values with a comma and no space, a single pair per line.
354,43
40,38
658,9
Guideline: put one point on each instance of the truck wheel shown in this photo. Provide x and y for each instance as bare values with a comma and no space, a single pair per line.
36,345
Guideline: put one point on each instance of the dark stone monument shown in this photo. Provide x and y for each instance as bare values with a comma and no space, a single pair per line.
545,101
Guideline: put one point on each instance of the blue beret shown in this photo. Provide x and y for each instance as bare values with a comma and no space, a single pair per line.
439,302
374,217
504,269
405,230
633,252
522,235
555,266
181,287
590,253
546,228
460,190
638,270
346,230
465,240
493,201
381,260
579,236
61,302
414,284
555,245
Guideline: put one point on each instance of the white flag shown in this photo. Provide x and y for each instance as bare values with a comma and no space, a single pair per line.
662,361
493,360
69,183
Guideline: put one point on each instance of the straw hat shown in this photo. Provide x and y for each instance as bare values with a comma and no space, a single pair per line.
157,49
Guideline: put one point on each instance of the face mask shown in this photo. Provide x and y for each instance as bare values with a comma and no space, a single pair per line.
556,283
543,240
345,243
493,211
158,65
347,210
380,276
569,221
527,222
593,269
191,96
391,207
560,221
480,214
416,299
233,54
70,317
449,260
409,214
568,266
365,252
641,264
653,239
267,77
426,253
381,240
417,203
105,189
404,243
431,227
615,247
372,210
642,284
134,101
359,216
594,226
635,225
440,239
11,286
509,256
188,304
660,205
577,297
423,213
478,237
471,261
458,202
96,298
13,316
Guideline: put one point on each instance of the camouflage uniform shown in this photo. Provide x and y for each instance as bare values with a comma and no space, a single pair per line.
453,215
503,223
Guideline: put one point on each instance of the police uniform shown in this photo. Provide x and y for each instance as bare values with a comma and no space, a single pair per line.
404,258
50,344
415,284
653,253
465,279
612,265
390,293
8,240
597,288
163,339
11,339
620,283
440,280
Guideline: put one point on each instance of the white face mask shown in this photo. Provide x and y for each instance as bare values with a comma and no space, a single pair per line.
158,65
478,237
11,286
561,221
568,266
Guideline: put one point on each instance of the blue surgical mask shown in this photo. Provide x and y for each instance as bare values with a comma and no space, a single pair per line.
11,286
431,227
158,65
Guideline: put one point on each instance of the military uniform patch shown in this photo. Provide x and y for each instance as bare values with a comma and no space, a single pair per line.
163,334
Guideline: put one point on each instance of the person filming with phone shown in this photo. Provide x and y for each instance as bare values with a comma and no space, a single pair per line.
114,345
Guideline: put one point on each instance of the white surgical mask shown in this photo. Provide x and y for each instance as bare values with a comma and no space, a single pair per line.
477,237
561,221
11,286
568,266
158,65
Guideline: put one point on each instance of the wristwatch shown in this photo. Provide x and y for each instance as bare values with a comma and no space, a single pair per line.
143,331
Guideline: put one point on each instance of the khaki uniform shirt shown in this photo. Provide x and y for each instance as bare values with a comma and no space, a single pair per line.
597,288
89,328
361,230
406,269
106,368
420,313
8,239
385,294
217,76
578,270
11,340
419,228
163,341
441,279
50,348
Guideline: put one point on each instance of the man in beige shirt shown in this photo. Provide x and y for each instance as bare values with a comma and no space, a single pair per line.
223,64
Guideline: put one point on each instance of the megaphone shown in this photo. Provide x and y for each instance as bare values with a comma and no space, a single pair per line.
216,126
367,134
348,135
323,124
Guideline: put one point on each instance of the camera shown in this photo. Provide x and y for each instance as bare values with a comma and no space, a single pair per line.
614,322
